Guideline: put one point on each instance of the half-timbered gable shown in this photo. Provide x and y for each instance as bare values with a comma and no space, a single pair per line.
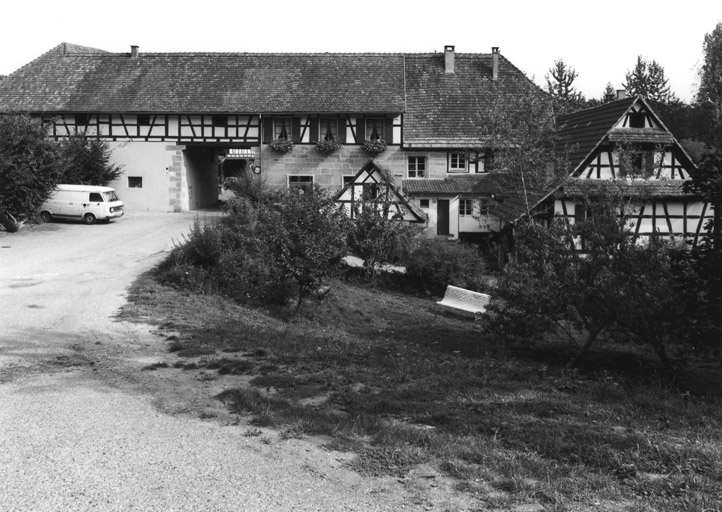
623,144
180,123
373,187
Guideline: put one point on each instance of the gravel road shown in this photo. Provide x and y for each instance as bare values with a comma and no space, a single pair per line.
82,428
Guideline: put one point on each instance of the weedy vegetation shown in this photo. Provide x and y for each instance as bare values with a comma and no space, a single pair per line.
388,376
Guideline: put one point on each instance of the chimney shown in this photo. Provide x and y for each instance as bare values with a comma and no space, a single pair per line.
133,51
621,94
495,62
449,58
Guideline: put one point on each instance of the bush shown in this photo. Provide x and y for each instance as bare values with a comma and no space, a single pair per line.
267,252
28,168
435,264
376,239
87,162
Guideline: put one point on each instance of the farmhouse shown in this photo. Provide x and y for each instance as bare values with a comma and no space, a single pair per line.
355,124
625,143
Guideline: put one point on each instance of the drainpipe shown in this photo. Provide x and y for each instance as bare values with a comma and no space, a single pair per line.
260,142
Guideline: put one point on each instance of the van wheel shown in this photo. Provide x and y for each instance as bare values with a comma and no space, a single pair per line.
45,216
89,218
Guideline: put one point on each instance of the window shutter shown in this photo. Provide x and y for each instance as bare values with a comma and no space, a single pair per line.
389,130
342,129
314,136
267,129
296,129
580,213
360,130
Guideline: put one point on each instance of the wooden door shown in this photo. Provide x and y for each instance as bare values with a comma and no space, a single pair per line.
442,217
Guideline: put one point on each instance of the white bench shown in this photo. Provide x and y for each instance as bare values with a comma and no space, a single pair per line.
464,302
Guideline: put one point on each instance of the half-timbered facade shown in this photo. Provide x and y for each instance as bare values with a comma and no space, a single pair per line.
179,123
624,144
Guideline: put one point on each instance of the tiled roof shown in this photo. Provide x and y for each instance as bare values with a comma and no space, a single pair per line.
447,186
507,204
441,109
79,81
585,129
638,188
639,135
448,109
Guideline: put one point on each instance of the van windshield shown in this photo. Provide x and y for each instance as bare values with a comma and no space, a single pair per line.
110,196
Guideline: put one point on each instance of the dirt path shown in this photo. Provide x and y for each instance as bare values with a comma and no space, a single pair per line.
82,427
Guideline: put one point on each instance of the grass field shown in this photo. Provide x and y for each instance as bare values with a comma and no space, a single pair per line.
395,380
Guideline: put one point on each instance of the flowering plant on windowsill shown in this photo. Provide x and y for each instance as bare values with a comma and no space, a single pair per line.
374,146
328,146
281,145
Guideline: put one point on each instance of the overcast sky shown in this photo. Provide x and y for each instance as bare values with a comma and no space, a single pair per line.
600,39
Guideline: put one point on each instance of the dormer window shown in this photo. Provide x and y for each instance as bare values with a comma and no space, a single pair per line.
458,162
637,119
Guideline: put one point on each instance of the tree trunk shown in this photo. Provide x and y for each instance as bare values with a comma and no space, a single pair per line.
10,223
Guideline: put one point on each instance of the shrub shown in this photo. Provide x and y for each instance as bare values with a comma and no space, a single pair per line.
28,168
87,161
376,239
281,145
269,252
374,146
435,264
328,146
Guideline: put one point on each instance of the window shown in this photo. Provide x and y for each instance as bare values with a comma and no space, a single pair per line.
424,203
347,180
370,191
375,128
135,182
417,167
96,197
282,128
82,119
217,120
328,128
466,207
143,120
638,163
457,162
636,119
302,182
477,161
484,206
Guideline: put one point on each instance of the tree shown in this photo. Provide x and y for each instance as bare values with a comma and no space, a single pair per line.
28,168
526,159
587,278
376,238
87,162
710,76
560,84
704,267
609,94
647,79
303,236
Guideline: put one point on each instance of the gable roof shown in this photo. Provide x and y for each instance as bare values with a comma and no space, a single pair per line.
585,130
96,81
441,109
453,109
372,173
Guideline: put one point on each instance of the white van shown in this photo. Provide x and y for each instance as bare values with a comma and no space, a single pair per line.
86,202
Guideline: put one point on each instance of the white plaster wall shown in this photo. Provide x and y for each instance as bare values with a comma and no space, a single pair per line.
151,161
